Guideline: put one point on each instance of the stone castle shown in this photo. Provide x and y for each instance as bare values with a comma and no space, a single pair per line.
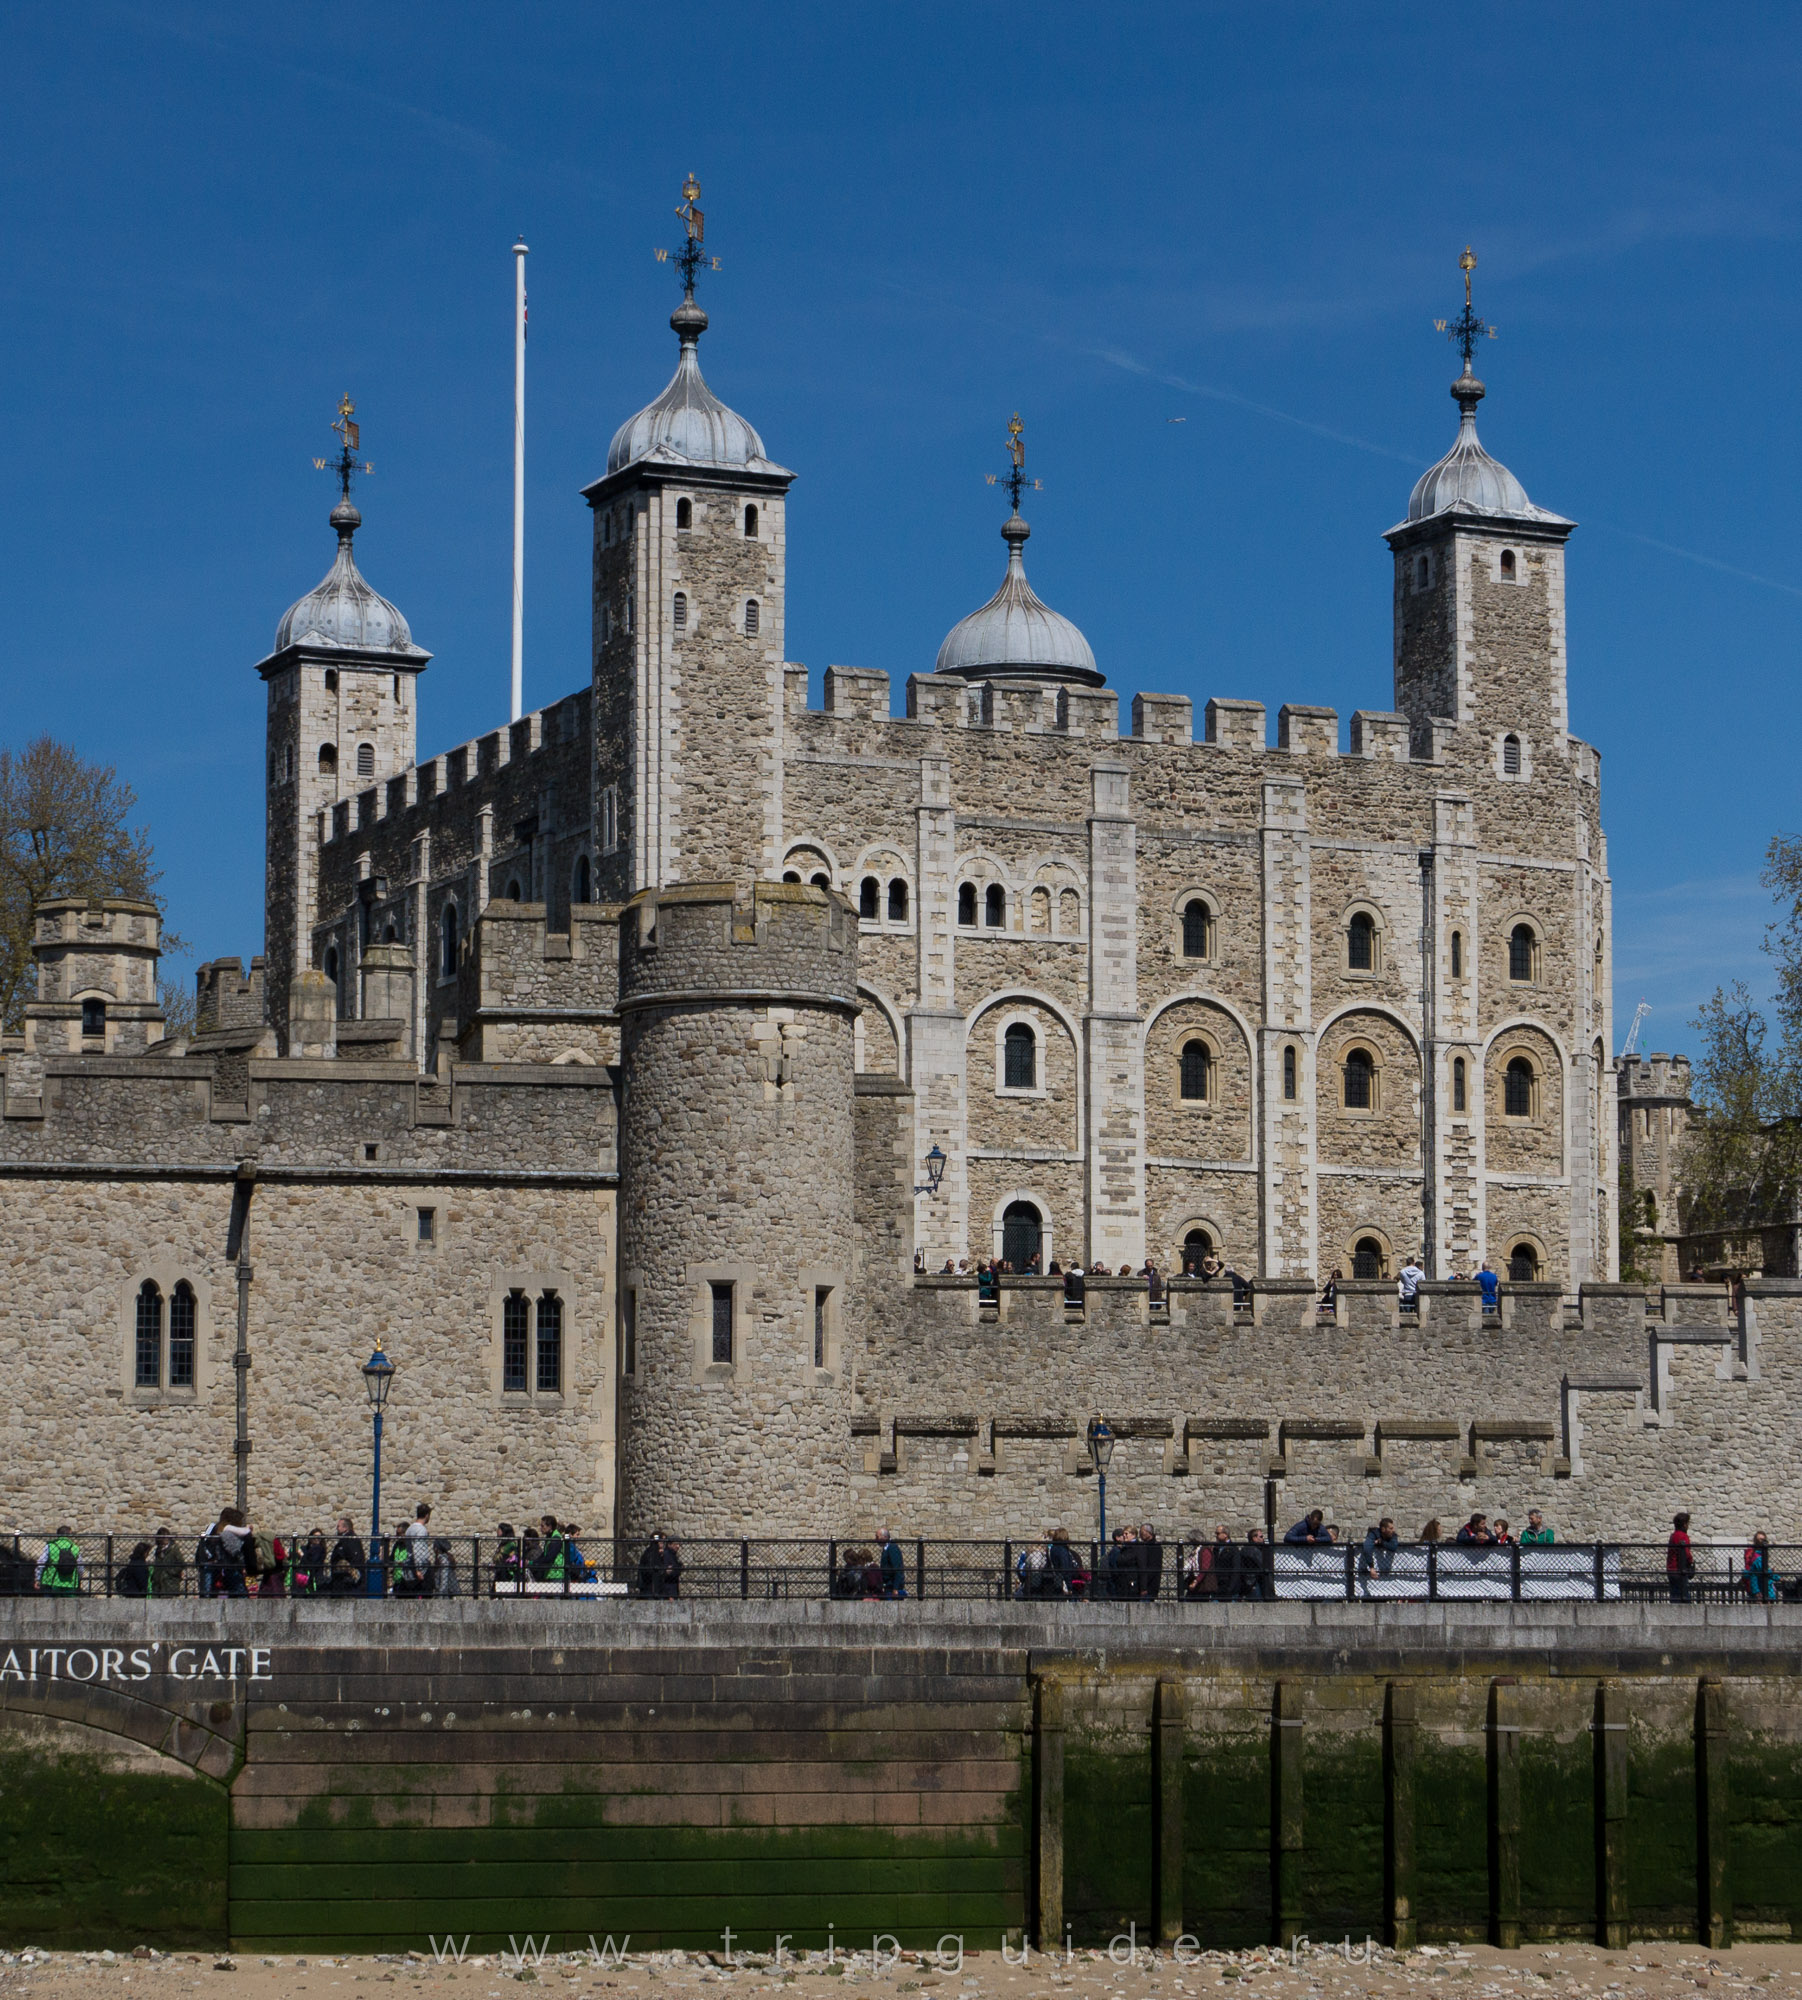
637,1070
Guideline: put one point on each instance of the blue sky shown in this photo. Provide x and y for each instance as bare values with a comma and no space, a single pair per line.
219,218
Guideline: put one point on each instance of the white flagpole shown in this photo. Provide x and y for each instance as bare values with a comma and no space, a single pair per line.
519,478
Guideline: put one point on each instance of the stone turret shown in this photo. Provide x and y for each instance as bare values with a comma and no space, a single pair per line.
97,971
737,1004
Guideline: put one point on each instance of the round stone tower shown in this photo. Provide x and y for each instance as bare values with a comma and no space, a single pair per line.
737,1232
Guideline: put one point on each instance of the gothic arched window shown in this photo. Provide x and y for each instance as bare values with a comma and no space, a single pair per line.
149,1371
994,907
550,1345
1020,1048
1196,1072
182,1313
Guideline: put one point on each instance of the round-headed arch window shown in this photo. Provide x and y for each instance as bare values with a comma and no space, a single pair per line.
1367,1258
1198,1247
1360,1080
1195,1071
1361,942
1198,928
1519,1084
1020,1057
1523,955
1523,1265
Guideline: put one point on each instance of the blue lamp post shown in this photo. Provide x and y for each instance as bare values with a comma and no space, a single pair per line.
1101,1450
378,1379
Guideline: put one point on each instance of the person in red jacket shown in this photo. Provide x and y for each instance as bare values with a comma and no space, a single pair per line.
1679,1559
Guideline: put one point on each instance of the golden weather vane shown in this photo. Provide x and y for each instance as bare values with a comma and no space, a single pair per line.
350,433
1467,329
691,257
1015,479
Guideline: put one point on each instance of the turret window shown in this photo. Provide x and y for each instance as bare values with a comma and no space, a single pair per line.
751,522
685,516
365,760
966,904
328,757
751,618
93,1019
994,907
1507,565
722,1322
679,611
869,899
1511,756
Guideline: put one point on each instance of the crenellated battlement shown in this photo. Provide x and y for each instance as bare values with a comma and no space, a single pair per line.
754,940
526,993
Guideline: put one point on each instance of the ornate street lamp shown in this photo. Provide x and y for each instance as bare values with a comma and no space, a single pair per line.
1101,1450
935,1171
378,1379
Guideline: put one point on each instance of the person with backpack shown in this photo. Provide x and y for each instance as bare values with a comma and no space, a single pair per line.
507,1572
347,1568
307,1572
271,1556
548,1565
167,1565
59,1567
133,1579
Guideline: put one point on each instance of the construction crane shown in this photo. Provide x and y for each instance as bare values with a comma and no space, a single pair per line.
1631,1045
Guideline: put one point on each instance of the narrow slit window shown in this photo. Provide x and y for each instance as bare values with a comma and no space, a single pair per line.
1458,1085
1457,954
1289,1074
629,1330
428,1225
722,1322
515,1340
182,1314
1020,1048
149,1371
550,1345
447,942
582,888
822,1299
1507,565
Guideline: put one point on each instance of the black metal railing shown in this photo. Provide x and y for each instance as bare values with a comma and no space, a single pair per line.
916,1569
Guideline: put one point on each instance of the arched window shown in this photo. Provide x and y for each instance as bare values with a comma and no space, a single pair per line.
550,1345
447,942
331,680
966,903
365,760
1020,1048
1022,1234
1038,910
581,888
1523,1265
994,907
822,881
181,1336
1198,925
685,516
513,889
897,901
515,1329
1198,1245
1361,943
389,934
1069,912
328,757
679,611
1507,565
93,1018
1520,954
869,899
1511,756
791,875
1196,1072
1517,1088
1367,1258
750,618
149,1371
1457,954
1459,1093
750,520
1360,1081
331,965
1289,1073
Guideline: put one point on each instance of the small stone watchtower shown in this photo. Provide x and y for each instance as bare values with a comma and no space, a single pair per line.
737,1002
97,977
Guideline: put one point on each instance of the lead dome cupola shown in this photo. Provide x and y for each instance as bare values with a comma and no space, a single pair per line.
1016,634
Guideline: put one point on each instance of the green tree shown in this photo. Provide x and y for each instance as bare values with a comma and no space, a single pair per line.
64,831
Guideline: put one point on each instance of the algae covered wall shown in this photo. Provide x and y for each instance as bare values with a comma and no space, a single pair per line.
289,1776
